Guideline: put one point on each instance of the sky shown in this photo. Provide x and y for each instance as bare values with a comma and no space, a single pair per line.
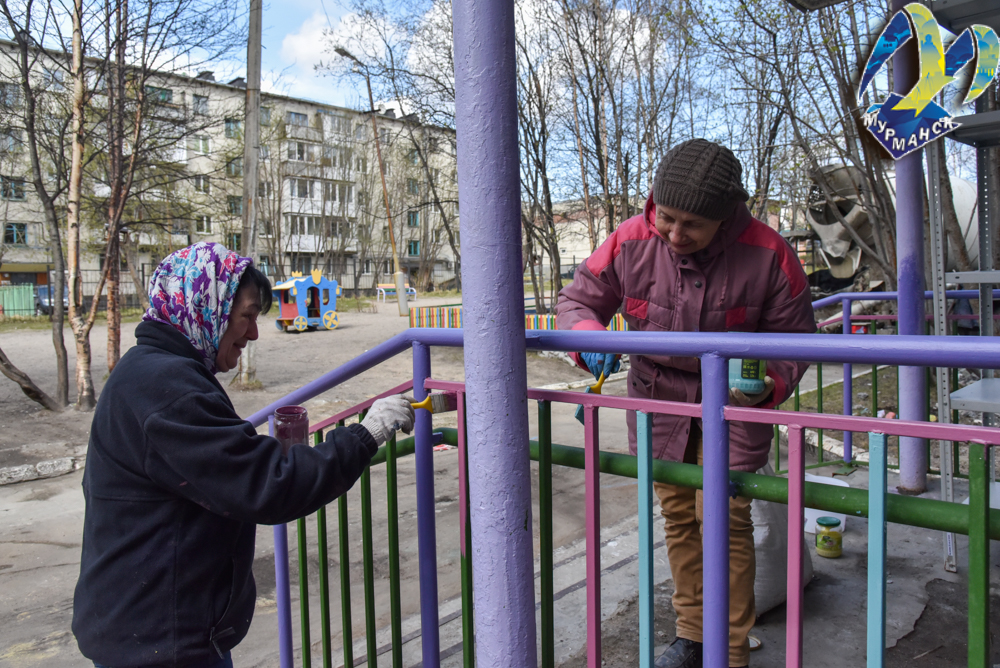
292,45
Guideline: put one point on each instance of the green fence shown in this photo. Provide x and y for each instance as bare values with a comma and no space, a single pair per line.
17,300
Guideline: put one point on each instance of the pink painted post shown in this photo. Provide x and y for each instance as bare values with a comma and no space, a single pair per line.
796,519
592,475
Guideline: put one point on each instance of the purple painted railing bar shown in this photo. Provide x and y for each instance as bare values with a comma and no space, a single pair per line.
975,352
796,518
282,596
892,296
715,504
363,406
486,117
592,503
848,388
430,642
935,430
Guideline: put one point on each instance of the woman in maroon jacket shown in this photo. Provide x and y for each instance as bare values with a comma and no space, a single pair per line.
696,260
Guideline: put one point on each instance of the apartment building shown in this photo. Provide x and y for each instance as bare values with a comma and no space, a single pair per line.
320,199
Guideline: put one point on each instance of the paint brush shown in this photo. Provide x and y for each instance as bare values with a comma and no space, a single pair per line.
445,402
596,389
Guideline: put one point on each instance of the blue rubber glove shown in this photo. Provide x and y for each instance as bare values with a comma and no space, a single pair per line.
597,362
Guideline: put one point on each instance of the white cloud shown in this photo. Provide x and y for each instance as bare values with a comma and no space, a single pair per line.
301,51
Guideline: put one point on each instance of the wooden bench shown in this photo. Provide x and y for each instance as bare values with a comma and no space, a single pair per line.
385,289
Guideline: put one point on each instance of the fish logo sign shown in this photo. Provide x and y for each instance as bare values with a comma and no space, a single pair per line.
903,124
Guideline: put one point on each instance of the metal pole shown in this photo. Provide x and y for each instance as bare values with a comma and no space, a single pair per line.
493,319
715,535
282,594
910,278
430,641
848,386
251,154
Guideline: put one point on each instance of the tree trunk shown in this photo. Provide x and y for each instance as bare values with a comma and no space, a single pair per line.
30,390
132,260
113,267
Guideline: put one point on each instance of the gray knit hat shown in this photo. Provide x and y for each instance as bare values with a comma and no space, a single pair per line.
700,177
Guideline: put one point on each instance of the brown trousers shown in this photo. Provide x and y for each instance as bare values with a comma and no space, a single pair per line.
682,509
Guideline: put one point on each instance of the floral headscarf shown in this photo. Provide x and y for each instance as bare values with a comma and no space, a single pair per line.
193,291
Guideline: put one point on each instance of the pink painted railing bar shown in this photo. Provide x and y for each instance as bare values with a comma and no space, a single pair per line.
592,475
596,400
796,517
934,430
364,405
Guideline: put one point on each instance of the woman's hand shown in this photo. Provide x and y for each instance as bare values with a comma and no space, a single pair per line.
387,416
739,398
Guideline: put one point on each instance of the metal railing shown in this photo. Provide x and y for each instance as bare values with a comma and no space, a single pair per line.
714,477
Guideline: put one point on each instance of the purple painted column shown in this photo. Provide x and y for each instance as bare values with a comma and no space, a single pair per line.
430,640
493,322
848,385
910,277
282,597
715,536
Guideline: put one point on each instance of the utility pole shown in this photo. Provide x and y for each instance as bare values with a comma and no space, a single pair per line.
247,375
400,279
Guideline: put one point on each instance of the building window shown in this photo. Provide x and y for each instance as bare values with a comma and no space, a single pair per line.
12,189
264,264
301,151
413,156
437,235
371,265
345,192
234,167
264,151
199,104
413,248
264,190
304,225
302,188
201,184
159,95
235,205
10,94
203,225
341,227
53,79
413,219
234,128
303,263
10,140
235,241
435,176
361,165
297,119
200,144
15,234
266,227
265,115
413,186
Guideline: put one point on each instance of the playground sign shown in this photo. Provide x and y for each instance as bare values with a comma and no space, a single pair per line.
903,124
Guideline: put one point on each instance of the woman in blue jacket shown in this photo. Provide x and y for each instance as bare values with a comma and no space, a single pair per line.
176,481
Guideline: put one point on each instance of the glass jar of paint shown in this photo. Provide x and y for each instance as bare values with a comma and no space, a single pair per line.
829,539
291,426
747,376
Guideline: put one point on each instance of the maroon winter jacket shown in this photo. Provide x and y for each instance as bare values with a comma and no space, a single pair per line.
748,279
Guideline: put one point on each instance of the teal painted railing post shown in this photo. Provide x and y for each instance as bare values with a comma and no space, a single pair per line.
644,450
876,548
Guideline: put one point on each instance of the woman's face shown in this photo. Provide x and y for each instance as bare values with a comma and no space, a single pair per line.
242,327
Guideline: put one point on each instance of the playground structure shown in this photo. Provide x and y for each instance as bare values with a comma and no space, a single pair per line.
307,302
495,480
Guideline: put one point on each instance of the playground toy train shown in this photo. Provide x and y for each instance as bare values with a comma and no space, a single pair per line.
306,302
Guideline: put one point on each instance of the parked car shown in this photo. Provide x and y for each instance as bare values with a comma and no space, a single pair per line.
43,299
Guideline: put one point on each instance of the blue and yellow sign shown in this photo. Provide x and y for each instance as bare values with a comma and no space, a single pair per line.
906,123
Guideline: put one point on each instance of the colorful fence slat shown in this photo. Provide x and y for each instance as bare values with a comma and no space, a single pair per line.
450,317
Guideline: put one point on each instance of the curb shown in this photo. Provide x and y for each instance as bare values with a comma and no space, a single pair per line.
50,468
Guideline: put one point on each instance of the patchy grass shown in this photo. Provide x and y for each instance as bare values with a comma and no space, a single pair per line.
345,304
888,400
42,322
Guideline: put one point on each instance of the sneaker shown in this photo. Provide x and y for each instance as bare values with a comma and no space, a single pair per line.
682,653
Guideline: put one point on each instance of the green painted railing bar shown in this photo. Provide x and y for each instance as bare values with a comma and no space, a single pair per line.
345,579
324,577
369,562
300,525
979,556
544,456
468,618
388,454
324,588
